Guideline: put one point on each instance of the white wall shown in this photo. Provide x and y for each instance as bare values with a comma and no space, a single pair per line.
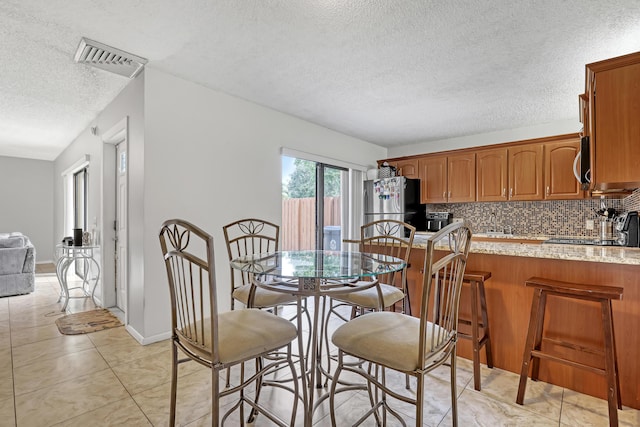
129,102
211,158
498,137
26,202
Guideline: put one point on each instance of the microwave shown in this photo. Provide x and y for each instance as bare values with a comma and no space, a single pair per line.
582,164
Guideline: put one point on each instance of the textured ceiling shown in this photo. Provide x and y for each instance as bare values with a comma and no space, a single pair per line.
390,72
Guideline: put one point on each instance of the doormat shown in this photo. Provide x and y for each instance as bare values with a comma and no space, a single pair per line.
87,321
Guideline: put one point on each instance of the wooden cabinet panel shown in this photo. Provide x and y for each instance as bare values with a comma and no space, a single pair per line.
508,307
433,179
559,180
461,178
408,168
614,103
525,172
491,175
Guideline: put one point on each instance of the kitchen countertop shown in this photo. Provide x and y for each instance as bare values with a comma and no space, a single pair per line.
589,253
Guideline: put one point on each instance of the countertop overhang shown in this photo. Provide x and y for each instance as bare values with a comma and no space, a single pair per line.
587,253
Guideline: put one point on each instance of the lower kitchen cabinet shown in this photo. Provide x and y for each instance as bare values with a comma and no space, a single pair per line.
508,307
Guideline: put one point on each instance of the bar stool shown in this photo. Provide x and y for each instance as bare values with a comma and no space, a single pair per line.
476,280
532,350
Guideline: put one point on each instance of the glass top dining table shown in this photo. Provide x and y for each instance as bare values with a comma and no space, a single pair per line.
331,270
315,274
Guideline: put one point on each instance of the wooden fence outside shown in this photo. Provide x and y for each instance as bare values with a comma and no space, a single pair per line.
298,221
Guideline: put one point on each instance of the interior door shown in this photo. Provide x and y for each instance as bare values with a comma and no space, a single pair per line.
121,226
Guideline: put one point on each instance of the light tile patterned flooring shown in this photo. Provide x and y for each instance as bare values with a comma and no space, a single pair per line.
107,378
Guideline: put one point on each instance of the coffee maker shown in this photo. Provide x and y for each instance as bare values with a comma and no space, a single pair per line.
628,229
436,221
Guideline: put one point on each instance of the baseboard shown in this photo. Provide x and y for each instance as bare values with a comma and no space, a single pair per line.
147,340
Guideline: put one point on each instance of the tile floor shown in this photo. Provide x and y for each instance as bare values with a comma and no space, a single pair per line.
107,379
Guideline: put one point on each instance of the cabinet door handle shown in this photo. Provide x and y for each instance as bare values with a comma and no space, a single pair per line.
504,192
444,194
449,194
511,192
548,190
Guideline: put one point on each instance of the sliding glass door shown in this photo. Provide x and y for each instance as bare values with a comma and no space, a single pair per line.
315,208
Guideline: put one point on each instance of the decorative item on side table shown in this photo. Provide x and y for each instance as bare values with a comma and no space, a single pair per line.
86,239
77,237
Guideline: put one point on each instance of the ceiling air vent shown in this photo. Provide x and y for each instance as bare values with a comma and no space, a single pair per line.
108,58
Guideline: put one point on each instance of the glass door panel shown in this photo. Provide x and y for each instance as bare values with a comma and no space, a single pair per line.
312,205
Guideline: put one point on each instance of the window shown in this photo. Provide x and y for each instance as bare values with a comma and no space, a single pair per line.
320,202
80,199
75,181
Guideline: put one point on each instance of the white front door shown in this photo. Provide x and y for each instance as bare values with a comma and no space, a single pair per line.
121,225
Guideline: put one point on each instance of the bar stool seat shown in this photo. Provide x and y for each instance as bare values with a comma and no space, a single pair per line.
533,351
476,281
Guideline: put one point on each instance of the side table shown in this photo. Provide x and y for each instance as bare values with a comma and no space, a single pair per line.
70,255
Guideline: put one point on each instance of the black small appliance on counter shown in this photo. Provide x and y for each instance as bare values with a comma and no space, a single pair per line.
436,221
628,229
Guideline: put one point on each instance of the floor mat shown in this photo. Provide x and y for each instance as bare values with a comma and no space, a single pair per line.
87,321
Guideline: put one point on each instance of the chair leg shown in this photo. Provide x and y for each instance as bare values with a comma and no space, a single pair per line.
485,323
332,392
475,342
215,398
613,397
535,363
420,400
454,394
174,384
531,336
254,413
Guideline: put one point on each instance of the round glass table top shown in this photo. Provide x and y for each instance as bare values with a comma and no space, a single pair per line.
318,264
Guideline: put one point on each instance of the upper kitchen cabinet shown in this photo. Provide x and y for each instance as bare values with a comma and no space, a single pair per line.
525,172
560,182
513,173
448,178
433,179
461,177
491,175
613,90
408,167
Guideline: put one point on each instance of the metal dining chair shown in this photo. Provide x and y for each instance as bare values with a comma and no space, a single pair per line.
251,236
413,346
220,340
388,237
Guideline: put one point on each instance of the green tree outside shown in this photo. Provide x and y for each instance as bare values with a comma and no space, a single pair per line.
302,182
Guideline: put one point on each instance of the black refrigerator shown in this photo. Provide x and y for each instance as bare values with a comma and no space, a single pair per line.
394,198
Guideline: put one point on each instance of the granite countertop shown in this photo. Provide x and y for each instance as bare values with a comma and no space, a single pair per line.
589,253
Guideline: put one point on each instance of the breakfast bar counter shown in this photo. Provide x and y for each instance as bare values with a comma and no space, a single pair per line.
509,304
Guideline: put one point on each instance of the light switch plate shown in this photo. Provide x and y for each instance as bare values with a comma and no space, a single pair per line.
589,224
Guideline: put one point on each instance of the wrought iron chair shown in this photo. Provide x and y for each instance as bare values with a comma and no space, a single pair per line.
388,237
249,237
220,340
406,344
252,236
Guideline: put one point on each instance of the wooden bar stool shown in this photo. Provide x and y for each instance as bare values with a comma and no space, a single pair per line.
532,350
476,281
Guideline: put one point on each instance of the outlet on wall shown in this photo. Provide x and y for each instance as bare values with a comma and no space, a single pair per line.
458,219
589,225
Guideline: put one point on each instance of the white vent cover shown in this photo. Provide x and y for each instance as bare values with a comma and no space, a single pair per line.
108,58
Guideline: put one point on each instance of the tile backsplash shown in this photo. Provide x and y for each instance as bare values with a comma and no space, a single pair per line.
548,218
